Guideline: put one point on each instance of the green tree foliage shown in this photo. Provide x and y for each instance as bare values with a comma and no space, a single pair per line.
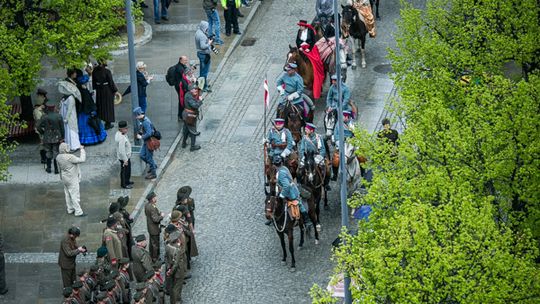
67,33
456,215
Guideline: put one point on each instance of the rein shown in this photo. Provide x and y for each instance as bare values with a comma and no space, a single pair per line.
284,220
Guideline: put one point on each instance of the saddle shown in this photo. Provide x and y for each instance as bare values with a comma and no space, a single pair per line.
294,209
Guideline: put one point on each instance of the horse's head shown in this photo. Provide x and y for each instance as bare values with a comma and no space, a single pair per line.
270,206
309,165
292,56
349,152
330,120
347,12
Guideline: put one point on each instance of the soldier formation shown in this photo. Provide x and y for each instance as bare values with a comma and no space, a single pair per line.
124,270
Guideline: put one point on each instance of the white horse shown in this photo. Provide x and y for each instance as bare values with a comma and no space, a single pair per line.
352,166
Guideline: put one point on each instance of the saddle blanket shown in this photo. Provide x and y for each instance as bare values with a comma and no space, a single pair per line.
318,71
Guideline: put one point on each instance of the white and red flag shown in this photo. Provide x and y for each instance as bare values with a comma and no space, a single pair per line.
266,94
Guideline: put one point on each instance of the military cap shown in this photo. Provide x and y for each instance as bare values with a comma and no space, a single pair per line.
170,228
175,216
123,261
74,231
149,274
41,91
109,285
122,124
138,296
123,201
291,65
111,221
113,207
277,160
347,113
114,273
140,238
150,195
181,208
102,251
334,77
192,86
82,272
138,111
77,285
67,291
279,121
101,296
157,265
310,126
94,268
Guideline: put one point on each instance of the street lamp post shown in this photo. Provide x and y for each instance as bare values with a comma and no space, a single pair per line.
341,135
132,68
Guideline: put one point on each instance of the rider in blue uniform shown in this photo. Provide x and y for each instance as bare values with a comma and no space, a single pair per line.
286,186
290,86
279,139
332,99
313,142
348,129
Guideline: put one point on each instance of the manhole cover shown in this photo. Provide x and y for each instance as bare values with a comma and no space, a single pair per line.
383,68
248,42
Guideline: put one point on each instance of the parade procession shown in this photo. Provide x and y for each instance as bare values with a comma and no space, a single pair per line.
269,151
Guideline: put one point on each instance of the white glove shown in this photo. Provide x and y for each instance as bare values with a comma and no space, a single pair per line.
281,90
301,163
265,141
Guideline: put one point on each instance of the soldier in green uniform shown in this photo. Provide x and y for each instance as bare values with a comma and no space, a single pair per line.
112,241
175,252
153,220
141,258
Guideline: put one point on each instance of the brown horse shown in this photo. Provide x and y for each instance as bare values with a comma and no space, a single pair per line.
294,119
283,223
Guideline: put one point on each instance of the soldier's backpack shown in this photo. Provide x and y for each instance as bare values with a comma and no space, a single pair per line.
169,77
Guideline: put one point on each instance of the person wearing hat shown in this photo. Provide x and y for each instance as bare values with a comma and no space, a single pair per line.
290,86
67,255
179,221
123,153
138,297
279,140
143,80
38,113
103,83
175,257
305,39
332,98
142,262
91,129
101,298
51,128
348,129
78,292
67,292
286,186
127,220
145,130
70,96
70,174
183,198
312,142
112,241
190,115
124,278
153,222
153,294
85,290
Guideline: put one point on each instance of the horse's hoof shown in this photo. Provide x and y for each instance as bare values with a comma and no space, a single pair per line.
363,65
293,269
283,263
326,207
316,242
300,247
353,67
318,227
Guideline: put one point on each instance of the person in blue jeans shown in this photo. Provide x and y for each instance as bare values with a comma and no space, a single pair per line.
214,26
157,19
202,44
145,131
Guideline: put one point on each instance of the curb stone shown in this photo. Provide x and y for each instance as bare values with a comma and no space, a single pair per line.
144,39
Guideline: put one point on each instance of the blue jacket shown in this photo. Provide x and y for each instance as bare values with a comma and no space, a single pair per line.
292,84
332,98
277,137
347,132
146,128
142,83
312,143
285,182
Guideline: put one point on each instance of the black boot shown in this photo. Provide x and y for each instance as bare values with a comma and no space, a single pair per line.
43,155
194,146
48,169
56,167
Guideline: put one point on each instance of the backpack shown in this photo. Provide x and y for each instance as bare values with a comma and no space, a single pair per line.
169,77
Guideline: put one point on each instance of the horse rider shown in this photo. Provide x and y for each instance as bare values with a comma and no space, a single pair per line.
305,39
348,128
332,99
324,10
290,86
287,189
280,140
313,142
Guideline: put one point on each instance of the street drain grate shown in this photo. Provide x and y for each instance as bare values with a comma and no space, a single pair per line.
248,42
383,68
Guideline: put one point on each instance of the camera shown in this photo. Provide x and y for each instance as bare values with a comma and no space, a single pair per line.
212,46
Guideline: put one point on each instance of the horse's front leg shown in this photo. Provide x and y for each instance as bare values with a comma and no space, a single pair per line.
291,247
282,241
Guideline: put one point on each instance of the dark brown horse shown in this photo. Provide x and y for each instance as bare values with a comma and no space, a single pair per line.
355,27
294,119
283,223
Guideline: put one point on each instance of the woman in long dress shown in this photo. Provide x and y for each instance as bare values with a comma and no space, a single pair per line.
69,113
91,129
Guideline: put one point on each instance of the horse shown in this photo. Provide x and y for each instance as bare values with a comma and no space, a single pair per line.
305,68
275,209
293,119
356,27
352,167
313,180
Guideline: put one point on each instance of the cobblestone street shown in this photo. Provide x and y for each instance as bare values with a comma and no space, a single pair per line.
239,257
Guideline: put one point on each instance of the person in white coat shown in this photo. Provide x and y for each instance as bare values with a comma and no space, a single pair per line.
70,174
71,95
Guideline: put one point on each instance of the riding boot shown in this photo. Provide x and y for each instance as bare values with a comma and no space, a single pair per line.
43,155
335,171
48,169
194,147
56,167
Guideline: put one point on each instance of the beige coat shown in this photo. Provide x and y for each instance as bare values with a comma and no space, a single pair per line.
69,164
